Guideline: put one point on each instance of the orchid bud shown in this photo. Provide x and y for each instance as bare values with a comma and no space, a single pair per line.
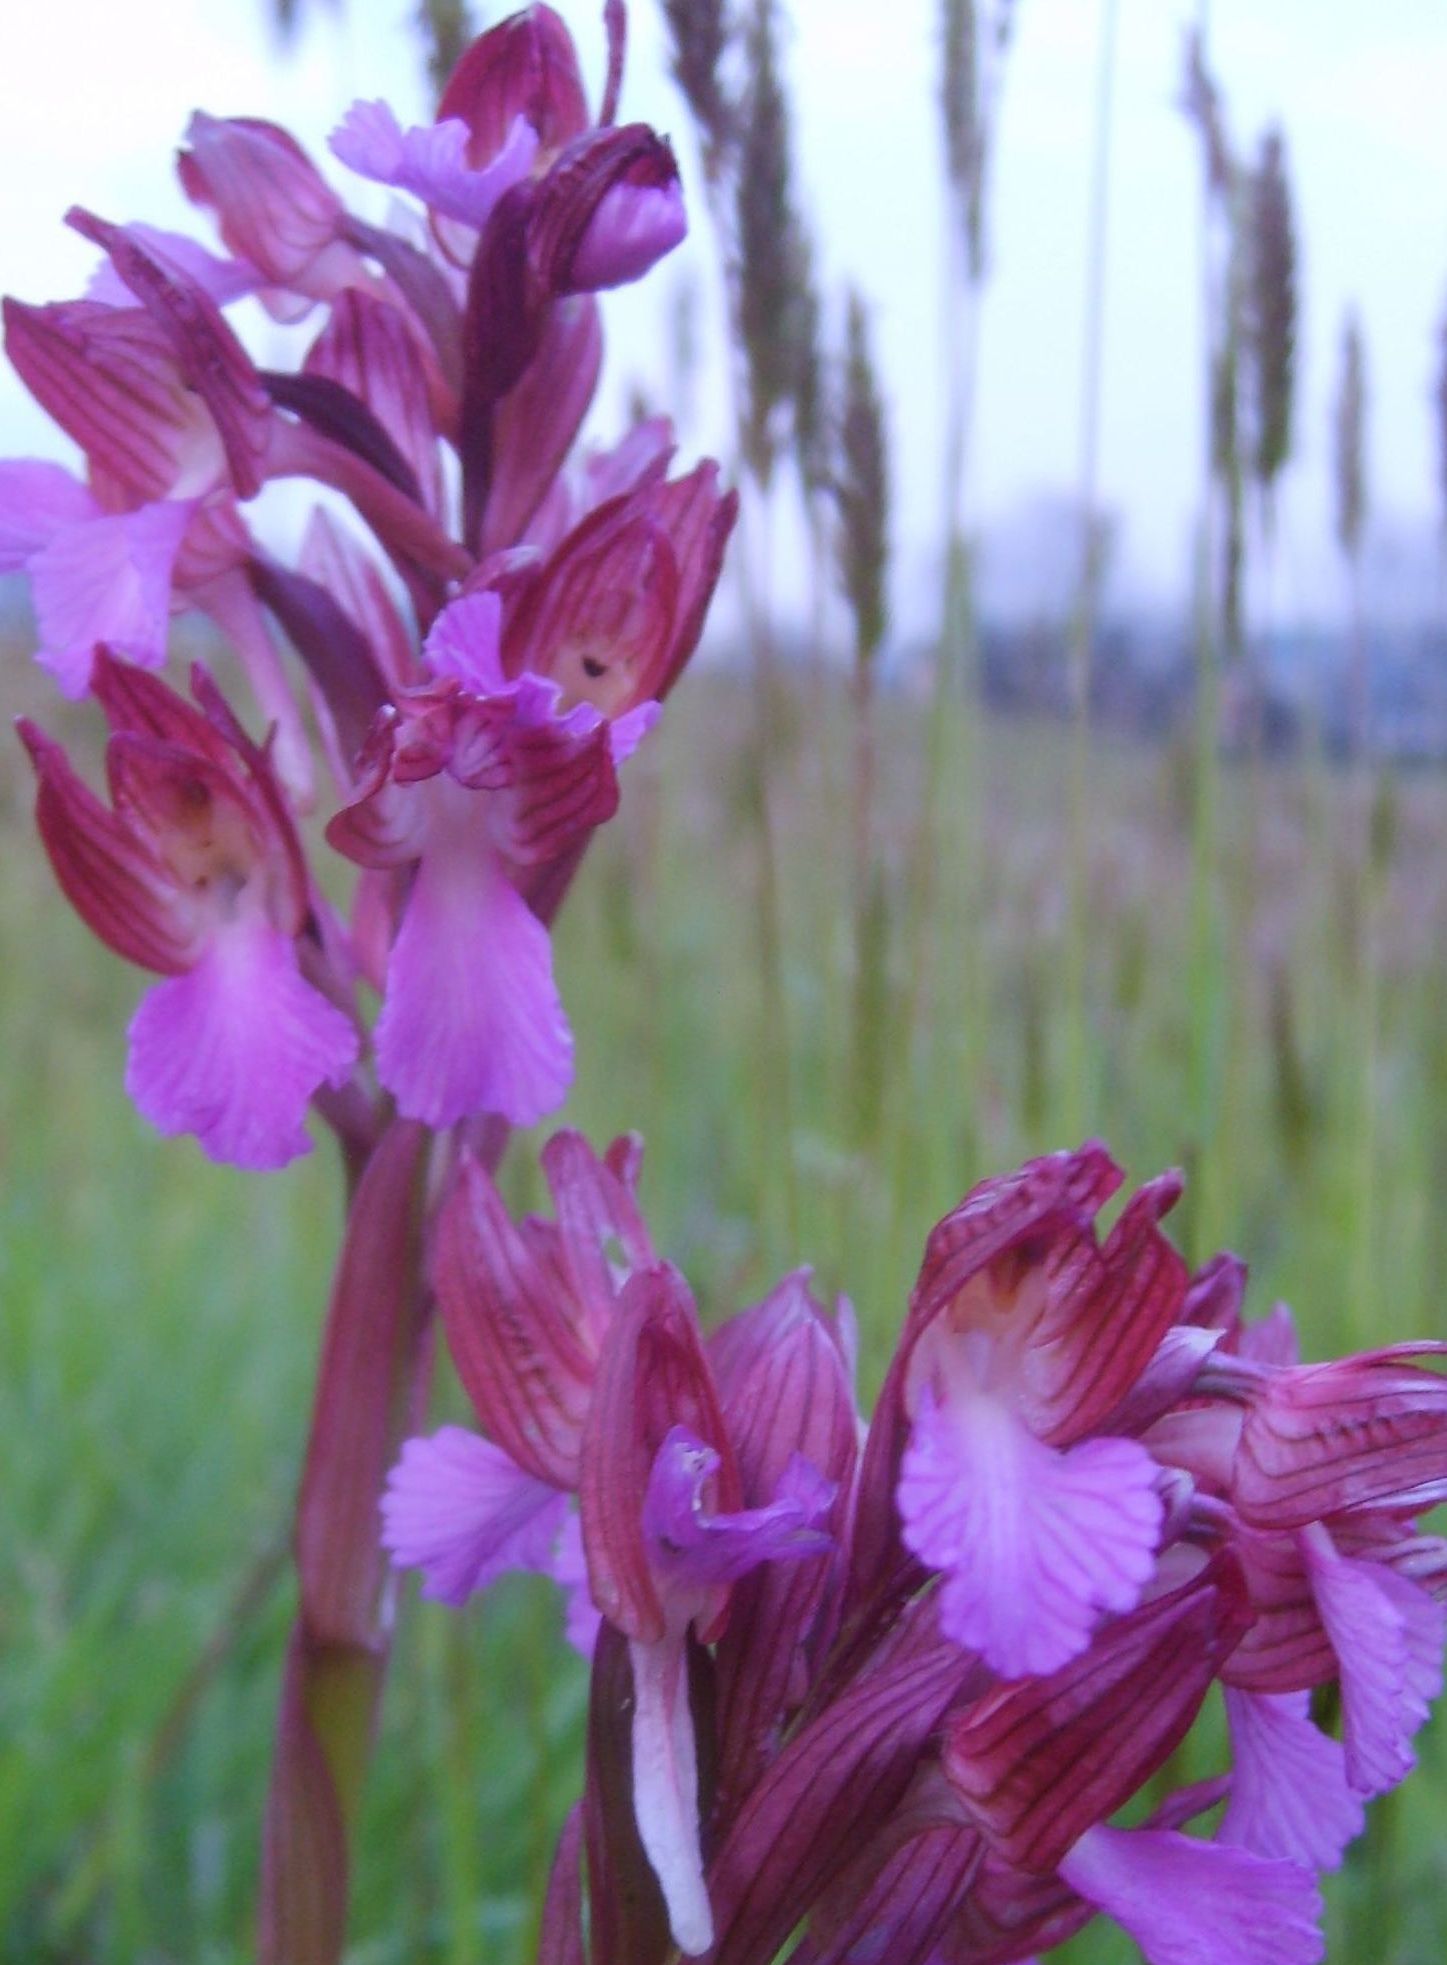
607,211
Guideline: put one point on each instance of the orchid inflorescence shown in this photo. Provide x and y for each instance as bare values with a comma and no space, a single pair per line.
554,604
876,1692
894,1681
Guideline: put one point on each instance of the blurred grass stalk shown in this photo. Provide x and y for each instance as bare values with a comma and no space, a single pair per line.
863,493
1078,1102
1216,577
1371,846
744,139
974,48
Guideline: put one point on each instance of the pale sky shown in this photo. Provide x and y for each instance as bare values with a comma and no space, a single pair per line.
96,96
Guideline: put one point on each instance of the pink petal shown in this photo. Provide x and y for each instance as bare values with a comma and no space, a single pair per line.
1388,1635
1198,1903
37,501
230,601
215,371
224,280
640,457
110,378
335,559
1037,1761
1166,1380
457,1508
272,204
1289,1793
1358,1432
472,1020
464,643
517,1340
431,161
1271,1340
652,1375
665,1787
369,348
234,1049
1034,1543
602,1236
534,427
525,66
107,579
110,871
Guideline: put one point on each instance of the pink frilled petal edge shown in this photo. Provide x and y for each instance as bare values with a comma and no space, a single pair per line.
1034,1544
1289,1792
462,1511
1198,1903
471,1021
233,1050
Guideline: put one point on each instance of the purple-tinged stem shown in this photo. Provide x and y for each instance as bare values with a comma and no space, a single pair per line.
371,1387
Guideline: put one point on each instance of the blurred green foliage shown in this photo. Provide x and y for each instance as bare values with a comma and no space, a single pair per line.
159,1317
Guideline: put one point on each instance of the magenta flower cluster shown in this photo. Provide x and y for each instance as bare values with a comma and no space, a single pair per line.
859,1693
479,653
888,1686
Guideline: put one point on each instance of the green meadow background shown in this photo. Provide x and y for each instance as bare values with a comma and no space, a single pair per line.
1241,975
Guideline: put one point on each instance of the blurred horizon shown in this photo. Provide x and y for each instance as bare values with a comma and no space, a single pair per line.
1355,97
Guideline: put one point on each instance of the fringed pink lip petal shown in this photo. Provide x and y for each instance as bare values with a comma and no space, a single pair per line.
1034,1544
472,1020
463,1512
234,1049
